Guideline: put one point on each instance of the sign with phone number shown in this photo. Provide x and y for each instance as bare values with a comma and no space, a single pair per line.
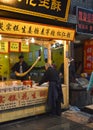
13,27
23,98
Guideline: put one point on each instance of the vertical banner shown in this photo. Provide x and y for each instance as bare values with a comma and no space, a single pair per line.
88,56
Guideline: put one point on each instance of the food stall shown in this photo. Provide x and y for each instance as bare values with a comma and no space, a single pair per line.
19,100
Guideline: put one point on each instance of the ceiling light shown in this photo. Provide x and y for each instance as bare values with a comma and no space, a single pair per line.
6,56
32,40
54,45
8,1
59,41
19,0
0,37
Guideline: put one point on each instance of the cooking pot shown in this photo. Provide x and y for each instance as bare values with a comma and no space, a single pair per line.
27,82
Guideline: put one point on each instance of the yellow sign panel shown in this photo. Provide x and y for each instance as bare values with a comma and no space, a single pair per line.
14,47
24,47
35,29
3,47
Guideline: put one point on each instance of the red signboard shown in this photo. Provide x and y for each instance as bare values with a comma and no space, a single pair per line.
85,20
88,56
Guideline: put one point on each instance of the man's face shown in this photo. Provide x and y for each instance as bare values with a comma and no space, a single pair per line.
21,59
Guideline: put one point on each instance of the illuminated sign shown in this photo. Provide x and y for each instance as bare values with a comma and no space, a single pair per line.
50,9
35,29
3,47
14,47
85,21
25,47
88,56
23,98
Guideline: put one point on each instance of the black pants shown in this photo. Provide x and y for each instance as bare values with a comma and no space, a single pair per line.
56,110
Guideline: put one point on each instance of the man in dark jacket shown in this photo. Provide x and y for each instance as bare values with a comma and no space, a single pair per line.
55,96
20,67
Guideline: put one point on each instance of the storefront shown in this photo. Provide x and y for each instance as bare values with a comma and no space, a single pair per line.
16,100
83,57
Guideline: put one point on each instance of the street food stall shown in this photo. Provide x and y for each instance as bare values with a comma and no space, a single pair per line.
22,99
18,100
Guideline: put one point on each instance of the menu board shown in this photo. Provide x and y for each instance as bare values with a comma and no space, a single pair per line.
24,47
3,47
14,47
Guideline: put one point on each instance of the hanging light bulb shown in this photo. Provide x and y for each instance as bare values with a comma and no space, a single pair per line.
32,40
6,56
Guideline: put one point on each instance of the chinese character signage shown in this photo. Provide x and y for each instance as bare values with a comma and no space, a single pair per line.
9,100
33,29
25,47
50,9
14,47
3,47
85,21
88,56
23,98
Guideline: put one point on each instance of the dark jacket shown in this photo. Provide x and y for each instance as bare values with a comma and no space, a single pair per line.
54,91
16,67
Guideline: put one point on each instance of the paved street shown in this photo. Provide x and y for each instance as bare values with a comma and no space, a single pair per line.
69,120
